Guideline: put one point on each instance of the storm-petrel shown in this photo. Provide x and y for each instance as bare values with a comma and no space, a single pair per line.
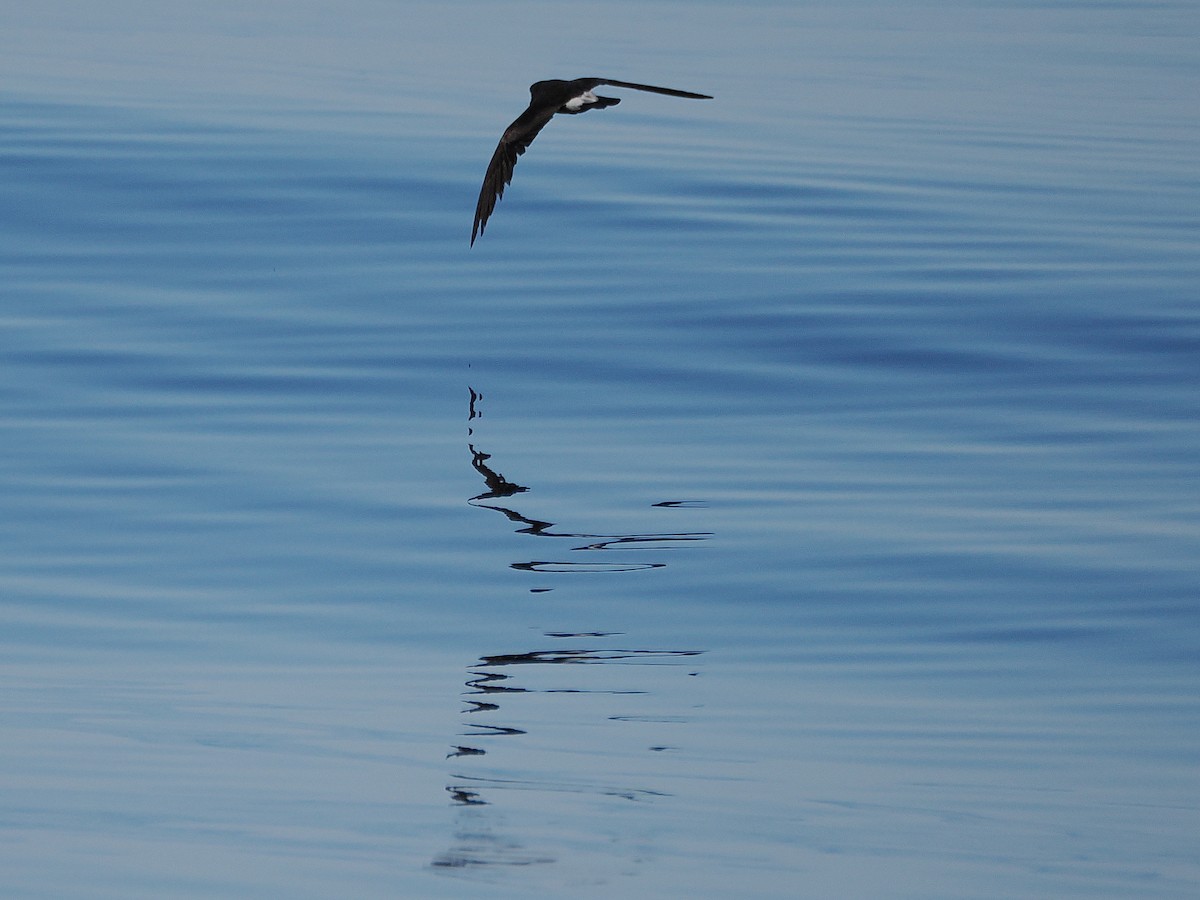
545,99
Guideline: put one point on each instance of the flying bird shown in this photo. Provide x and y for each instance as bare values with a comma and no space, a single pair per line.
545,99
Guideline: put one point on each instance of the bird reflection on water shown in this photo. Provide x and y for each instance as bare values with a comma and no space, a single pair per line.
500,488
491,692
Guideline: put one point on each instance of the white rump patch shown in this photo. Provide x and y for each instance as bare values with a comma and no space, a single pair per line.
584,99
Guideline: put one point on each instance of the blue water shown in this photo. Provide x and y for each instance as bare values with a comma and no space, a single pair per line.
791,494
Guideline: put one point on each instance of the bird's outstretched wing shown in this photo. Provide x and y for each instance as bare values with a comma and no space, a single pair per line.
515,140
670,92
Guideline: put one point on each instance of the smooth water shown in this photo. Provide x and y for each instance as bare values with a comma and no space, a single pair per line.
791,494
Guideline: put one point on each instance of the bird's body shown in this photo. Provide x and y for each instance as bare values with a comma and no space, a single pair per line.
546,99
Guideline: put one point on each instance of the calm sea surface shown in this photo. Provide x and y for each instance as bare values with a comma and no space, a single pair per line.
793,494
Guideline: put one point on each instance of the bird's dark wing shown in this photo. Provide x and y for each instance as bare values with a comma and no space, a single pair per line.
515,140
671,92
